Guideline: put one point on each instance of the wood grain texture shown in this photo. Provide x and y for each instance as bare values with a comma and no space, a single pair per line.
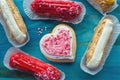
84,32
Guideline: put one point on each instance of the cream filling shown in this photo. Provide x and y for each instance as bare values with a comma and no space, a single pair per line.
99,50
7,14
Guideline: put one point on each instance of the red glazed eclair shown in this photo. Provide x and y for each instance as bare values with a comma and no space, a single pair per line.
18,60
66,11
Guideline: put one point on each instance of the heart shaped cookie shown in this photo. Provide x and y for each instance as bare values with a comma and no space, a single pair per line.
60,45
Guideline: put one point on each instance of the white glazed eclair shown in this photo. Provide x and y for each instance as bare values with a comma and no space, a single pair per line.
96,50
15,26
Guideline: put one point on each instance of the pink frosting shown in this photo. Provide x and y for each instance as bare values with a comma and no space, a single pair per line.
58,45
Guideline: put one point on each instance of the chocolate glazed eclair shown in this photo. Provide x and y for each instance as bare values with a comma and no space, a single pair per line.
97,48
15,26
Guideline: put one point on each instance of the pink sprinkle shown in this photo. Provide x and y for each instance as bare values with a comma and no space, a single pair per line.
58,45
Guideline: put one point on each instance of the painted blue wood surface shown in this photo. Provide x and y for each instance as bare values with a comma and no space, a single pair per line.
84,32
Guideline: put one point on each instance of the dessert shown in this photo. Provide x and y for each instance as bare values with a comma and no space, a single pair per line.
65,11
104,6
96,49
60,45
18,60
105,35
13,23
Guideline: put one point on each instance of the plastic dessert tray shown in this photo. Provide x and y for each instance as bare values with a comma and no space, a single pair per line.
84,32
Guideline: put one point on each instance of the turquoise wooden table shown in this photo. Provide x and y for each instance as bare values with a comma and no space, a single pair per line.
84,32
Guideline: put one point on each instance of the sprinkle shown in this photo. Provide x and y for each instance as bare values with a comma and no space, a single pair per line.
39,28
58,45
40,31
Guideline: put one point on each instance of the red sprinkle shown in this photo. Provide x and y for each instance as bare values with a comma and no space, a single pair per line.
63,10
39,69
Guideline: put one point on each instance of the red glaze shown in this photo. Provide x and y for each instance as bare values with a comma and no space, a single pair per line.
39,69
58,9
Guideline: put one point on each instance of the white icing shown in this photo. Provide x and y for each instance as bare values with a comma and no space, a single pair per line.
99,50
63,27
7,14
56,32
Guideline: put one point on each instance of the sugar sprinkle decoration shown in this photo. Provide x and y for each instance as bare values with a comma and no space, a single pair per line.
40,30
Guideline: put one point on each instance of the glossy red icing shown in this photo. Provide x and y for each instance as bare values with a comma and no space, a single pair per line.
58,44
63,10
39,69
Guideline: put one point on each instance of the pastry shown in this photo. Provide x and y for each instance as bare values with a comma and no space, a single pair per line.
65,11
18,60
15,27
105,35
97,48
104,6
60,45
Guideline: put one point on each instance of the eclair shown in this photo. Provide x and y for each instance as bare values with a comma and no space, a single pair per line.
104,6
97,48
21,61
15,27
60,10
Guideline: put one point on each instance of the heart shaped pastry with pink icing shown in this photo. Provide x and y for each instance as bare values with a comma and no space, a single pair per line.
60,45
